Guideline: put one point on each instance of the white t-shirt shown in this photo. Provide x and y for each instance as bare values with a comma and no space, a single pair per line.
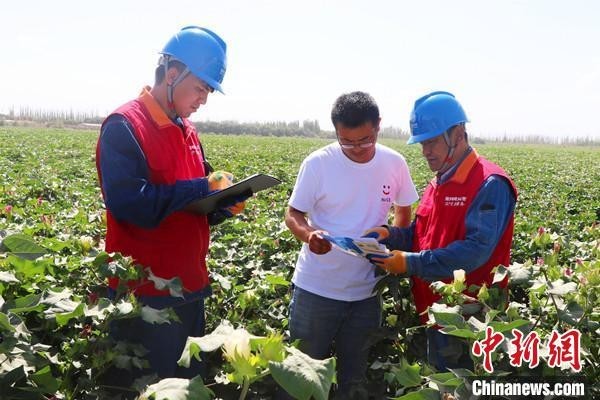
345,198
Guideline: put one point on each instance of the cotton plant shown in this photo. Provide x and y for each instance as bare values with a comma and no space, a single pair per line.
249,358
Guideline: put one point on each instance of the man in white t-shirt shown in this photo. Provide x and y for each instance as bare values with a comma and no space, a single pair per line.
343,189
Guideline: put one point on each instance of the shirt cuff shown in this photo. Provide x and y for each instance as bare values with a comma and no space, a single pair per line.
414,266
199,188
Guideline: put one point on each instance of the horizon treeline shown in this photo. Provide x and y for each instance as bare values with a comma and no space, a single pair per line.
306,128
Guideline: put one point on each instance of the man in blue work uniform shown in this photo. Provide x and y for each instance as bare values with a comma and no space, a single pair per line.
151,166
464,221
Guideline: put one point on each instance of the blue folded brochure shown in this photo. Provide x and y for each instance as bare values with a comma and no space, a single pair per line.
360,247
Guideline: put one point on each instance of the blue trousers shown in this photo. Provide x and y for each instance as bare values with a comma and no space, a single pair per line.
445,351
324,324
164,342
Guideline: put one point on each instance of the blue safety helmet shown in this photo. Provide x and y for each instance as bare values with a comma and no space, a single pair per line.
433,115
202,51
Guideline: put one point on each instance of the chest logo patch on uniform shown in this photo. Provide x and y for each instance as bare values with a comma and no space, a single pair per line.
455,201
194,148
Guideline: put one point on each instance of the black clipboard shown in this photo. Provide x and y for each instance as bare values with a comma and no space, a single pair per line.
255,183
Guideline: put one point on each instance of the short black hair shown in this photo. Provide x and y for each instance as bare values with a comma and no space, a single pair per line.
355,109
159,73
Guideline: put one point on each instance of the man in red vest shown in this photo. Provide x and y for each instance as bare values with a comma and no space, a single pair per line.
464,221
151,166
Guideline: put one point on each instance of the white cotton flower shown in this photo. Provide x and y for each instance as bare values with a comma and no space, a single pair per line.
459,275
238,342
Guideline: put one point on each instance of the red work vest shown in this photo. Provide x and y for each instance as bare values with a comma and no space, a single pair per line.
178,246
441,219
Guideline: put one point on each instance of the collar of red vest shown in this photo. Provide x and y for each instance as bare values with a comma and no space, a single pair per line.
462,172
156,112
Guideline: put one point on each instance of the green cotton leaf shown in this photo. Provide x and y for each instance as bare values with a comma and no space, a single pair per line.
154,316
63,318
55,297
8,277
571,314
508,326
277,280
13,376
476,324
449,385
5,324
206,343
462,333
444,308
191,350
177,389
408,375
26,304
442,378
62,307
464,392
55,245
423,394
27,268
449,319
461,372
100,310
224,281
560,288
173,285
45,381
101,259
490,315
470,308
302,376
500,273
122,361
23,246
439,286
271,348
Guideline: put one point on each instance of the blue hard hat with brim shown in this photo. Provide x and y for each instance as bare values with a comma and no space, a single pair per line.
433,114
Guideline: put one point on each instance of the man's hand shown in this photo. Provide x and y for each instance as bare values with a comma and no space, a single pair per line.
235,204
220,180
317,244
218,216
379,232
394,264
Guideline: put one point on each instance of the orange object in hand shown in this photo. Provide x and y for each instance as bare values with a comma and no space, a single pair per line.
237,208
220,180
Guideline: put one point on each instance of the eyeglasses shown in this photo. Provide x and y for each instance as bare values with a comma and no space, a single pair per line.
360,145
363,145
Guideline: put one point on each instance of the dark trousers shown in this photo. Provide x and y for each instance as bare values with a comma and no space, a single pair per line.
326,326
164,342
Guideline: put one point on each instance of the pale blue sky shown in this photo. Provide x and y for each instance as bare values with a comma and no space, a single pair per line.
518,67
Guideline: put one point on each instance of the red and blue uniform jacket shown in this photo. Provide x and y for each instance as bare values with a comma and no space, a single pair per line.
149,168
464,221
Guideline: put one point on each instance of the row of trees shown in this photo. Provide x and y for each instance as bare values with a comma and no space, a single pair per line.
307,128
67,117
